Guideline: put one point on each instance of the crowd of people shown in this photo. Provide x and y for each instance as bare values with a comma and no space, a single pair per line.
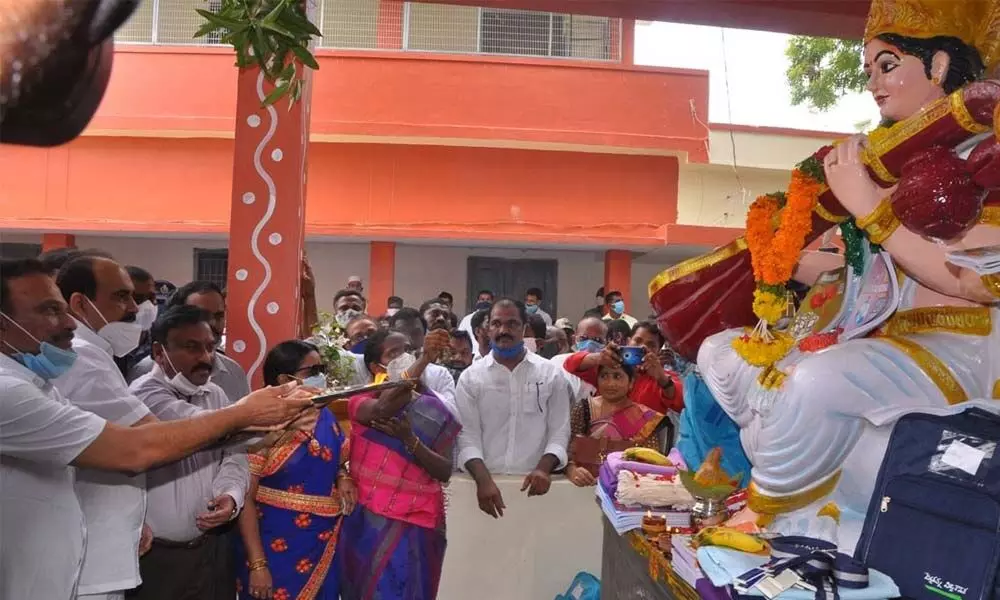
129,435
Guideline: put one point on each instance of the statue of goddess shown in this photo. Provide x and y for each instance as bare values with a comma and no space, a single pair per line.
910,330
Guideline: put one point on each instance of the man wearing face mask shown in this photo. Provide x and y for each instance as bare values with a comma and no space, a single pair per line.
514,408
533,305
616,309
591,336
99,294
44,436
227,374
347,304
358,330
144,293
484,300
189,502
427,347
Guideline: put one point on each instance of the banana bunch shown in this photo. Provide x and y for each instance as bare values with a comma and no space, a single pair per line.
648,456
731,538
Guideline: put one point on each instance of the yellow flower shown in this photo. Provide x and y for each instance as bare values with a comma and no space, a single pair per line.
768,306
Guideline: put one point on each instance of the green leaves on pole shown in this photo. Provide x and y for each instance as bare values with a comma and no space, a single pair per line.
271,34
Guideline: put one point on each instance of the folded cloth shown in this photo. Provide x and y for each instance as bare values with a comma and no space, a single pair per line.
618,464
651,490
724,565
707,591
608,479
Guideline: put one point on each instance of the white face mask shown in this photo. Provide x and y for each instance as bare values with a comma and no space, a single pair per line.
147,315
399,365
344,317
531,345
123,337
181,383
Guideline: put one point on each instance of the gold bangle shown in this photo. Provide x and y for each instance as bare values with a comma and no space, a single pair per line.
992,283
258,564
826,215
879,224
412,448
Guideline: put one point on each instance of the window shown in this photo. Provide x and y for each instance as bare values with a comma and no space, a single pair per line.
507,31
211,265
15,251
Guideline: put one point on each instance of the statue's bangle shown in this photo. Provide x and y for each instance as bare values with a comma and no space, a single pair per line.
992,283
879,224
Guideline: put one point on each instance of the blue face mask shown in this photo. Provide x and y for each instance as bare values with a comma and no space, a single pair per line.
591,346
359,348
508,353
618,307
50,362
483,305
531,308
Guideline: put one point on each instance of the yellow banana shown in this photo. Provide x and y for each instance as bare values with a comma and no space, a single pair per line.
646,455
730,538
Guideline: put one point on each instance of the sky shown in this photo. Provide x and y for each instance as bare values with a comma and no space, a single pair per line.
757,90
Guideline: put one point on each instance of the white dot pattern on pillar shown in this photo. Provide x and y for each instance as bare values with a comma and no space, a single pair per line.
272,308
274,238
242,274
277,155
239,346
253,121
249,198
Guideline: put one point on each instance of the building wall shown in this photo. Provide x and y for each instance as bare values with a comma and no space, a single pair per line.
421,271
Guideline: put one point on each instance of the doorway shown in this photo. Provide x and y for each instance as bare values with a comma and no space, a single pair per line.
512,277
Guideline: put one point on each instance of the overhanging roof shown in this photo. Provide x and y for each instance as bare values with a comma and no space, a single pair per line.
829,18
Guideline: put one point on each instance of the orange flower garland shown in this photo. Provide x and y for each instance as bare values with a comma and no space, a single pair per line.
773,256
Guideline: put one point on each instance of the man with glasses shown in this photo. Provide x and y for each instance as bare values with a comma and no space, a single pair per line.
514,407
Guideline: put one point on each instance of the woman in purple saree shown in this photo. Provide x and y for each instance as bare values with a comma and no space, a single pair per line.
401,452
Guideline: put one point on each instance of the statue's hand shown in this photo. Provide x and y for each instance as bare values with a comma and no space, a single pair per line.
848,178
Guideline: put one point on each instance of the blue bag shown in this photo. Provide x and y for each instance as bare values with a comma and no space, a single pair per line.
933,524
584,587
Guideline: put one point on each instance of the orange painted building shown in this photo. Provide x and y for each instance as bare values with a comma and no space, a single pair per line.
450,148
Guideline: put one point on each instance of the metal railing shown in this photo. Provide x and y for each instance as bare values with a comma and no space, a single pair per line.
411,26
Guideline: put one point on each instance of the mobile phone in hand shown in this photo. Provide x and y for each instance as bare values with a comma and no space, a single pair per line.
633,355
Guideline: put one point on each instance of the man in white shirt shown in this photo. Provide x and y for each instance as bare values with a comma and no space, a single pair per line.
514,407
533,305
191,501
591,336
227,373
483,302
616,309
41,435
99,294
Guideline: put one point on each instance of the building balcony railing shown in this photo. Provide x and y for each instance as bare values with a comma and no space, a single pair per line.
410,26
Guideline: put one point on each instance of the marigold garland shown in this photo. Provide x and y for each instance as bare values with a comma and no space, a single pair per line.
773,256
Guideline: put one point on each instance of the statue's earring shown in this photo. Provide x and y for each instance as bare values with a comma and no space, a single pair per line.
936,80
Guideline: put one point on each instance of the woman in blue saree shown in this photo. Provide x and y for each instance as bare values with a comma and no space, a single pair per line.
401,451
299,489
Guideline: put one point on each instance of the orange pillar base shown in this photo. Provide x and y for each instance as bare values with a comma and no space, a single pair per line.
381,276
54,241
618,275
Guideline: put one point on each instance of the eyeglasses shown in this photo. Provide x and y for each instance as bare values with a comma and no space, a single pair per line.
584,338
314,370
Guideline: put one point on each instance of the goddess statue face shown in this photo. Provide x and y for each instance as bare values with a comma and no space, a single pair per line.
899,81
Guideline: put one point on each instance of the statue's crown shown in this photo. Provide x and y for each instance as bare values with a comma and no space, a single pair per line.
975,22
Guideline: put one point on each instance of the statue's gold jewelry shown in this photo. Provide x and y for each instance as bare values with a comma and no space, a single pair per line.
992,283
879,224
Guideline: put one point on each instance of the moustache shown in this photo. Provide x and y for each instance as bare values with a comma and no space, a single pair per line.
59,338
506,337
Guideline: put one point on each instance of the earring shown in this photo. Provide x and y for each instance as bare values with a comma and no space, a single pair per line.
936,80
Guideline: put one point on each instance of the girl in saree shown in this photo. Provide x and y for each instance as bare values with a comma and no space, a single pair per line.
610,415
299,490
401,453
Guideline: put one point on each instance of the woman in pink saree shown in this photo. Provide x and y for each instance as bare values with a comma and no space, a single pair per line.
611,415
401,453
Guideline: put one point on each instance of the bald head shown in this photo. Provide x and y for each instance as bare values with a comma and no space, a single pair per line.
592,328
98,291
